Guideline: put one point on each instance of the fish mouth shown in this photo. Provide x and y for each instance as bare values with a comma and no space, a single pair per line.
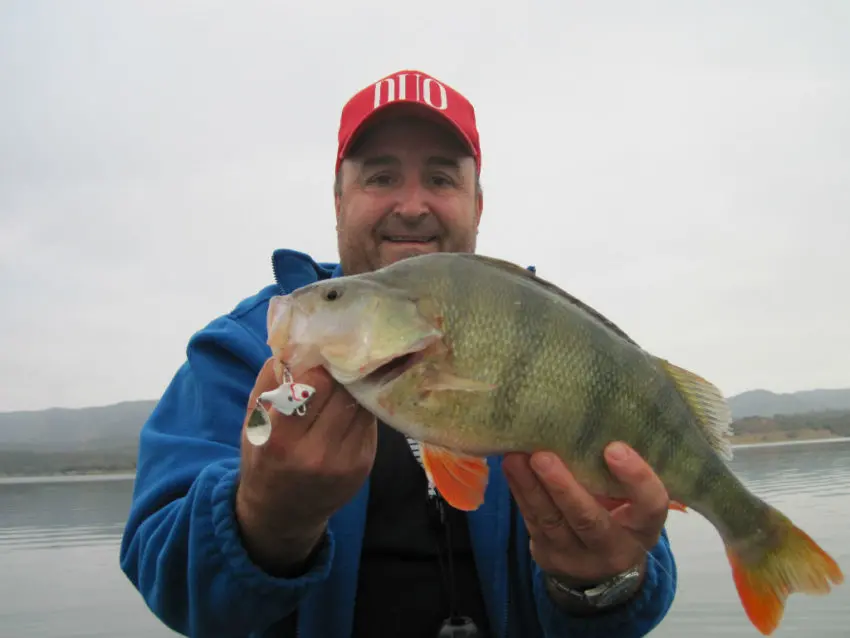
391,370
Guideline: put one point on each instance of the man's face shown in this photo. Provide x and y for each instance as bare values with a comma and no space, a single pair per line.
408,188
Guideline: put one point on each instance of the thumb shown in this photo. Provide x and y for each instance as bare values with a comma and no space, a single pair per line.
647,495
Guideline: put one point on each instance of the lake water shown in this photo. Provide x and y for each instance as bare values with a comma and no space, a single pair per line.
59,539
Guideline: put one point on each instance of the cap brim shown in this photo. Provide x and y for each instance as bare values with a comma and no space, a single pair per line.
394,109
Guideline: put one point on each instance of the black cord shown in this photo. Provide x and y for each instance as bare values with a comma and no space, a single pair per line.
455,625
453,611
447,572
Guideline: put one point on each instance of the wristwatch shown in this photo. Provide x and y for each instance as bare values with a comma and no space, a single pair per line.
612,592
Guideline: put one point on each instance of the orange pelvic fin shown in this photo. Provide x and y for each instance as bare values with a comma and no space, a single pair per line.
461,479
797,564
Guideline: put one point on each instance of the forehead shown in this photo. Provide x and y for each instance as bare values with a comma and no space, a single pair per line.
408,135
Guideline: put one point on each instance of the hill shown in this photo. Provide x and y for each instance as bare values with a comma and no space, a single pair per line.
105,438
768,404
62,440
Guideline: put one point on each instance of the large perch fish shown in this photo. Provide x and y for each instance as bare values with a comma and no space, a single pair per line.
473,356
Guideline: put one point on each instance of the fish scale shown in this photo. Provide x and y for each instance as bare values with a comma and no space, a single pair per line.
533,354
472,356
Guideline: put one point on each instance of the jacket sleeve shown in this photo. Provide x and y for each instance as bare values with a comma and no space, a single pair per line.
633,620
181,546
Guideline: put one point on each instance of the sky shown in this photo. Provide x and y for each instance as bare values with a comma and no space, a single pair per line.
683,167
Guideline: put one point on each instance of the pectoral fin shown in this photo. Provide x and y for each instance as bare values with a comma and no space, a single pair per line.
445,380
461,479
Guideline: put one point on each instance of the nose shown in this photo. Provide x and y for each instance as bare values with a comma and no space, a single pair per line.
412,202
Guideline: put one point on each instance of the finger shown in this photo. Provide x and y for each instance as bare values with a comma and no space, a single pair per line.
583,513
360,439
540,512
331,419
521,481
649,501
356,426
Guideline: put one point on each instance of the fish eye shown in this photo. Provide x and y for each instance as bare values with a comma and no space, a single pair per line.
332,294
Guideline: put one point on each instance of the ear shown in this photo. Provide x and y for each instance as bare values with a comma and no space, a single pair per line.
337,188
479,208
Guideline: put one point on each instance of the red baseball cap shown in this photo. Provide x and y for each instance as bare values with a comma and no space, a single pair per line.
436,99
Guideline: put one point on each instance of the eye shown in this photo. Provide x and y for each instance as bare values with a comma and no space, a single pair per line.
332,294
381,179
442,180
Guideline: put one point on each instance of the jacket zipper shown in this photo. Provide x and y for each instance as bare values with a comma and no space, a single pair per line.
511,567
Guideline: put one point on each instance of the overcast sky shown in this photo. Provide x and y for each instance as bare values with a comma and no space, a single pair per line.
683,167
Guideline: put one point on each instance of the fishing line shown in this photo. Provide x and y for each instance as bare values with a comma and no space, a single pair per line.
447,575
455,625
657,562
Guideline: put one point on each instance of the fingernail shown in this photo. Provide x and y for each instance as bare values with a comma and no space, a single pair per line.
618,452
541,462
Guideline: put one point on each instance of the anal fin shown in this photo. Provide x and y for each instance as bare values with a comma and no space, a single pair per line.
676,506
461,479
611,502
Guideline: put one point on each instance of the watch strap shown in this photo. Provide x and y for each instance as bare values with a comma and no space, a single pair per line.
612,592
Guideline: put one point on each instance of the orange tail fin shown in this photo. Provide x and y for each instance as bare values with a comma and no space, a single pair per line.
796,564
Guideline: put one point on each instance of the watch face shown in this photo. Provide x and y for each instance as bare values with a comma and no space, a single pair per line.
609,595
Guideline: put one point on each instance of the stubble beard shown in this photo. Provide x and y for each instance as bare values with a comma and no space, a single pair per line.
354,260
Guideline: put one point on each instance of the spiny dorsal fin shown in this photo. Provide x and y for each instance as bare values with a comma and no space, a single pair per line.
710,407
514,269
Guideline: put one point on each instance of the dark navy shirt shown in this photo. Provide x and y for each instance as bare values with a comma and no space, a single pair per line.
402,588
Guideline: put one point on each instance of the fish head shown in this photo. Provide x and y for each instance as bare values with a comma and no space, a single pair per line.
352,326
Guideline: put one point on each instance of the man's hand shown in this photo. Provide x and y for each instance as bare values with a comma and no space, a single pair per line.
309,468
574,537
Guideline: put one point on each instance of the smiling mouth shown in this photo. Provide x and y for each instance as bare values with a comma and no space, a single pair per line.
406,239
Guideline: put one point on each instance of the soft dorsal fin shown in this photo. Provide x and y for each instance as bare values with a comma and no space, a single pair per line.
519,271
710,407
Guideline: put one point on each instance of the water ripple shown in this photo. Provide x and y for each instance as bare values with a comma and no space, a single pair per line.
816,470
32,537
59,572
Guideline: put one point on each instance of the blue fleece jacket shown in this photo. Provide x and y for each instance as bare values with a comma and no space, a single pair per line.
181,546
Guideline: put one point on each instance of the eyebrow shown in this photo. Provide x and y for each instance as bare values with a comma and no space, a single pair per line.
448,162
391,160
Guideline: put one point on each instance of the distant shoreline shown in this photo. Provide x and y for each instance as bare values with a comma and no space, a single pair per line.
115,471
778,436
744,440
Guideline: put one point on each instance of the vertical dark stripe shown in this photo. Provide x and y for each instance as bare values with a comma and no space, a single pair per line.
529,330
601,400
703,483
660,439
663,448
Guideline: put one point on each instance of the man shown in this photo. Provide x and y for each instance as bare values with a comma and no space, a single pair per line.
329,529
